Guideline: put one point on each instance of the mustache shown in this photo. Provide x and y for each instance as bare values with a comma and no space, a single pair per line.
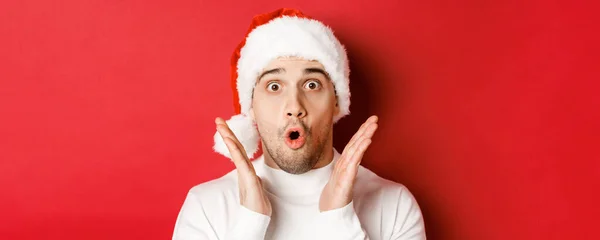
295,123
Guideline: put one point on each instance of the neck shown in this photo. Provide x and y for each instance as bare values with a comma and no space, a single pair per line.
302,188
325,158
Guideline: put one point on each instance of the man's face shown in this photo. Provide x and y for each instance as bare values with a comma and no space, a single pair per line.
293,106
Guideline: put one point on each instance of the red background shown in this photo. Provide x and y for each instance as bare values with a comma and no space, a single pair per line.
489,111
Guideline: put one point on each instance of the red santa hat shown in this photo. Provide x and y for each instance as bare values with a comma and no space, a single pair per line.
282,33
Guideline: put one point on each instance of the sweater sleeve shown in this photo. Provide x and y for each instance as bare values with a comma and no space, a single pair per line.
409,223
193,223
405,221
341,223
249,225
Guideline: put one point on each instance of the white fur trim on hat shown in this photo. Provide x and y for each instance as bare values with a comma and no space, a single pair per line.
245,131
299,37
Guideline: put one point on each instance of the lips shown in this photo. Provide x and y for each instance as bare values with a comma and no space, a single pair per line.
295,137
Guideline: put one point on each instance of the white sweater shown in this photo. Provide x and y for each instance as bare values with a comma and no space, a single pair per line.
380,209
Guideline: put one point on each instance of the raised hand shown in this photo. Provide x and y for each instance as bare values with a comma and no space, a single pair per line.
252,194
337,192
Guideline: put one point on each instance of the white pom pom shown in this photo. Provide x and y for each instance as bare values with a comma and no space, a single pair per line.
245,131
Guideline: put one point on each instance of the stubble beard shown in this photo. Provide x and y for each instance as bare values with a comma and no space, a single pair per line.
300,160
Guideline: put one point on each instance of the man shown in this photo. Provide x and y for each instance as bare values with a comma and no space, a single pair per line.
291,81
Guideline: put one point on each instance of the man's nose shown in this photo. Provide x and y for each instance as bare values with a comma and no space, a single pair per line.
295,108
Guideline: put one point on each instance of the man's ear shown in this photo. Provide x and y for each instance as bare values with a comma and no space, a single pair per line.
336,109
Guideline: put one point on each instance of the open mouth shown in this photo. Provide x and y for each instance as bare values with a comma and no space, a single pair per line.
294,137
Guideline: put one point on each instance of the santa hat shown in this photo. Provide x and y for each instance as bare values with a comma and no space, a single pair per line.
282,33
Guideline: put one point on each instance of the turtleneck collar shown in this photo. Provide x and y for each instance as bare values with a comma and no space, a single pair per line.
283,184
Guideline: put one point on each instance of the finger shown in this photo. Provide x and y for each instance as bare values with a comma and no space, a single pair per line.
347,172
361,130
351,148
226,131
348,175
349,155
236,149
236,156
367,133
354,162
370,130
357,133
360,152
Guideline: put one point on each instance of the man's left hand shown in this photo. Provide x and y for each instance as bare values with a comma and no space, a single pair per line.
337,193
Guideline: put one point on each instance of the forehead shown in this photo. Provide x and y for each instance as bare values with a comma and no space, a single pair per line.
290,63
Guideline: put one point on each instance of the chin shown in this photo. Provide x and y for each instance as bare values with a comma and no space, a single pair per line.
294,161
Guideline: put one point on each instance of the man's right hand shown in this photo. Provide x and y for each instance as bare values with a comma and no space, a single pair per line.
252,194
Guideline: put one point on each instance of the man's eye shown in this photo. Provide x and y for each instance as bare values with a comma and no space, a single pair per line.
273,87
312,85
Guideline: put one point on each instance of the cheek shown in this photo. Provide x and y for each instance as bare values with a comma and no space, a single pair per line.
260,103
264,116
321,104
265,109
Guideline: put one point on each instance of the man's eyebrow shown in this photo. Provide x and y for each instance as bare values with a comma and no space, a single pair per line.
272,71
316,70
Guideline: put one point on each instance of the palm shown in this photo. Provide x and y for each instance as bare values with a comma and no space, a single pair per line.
252,195
337,192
